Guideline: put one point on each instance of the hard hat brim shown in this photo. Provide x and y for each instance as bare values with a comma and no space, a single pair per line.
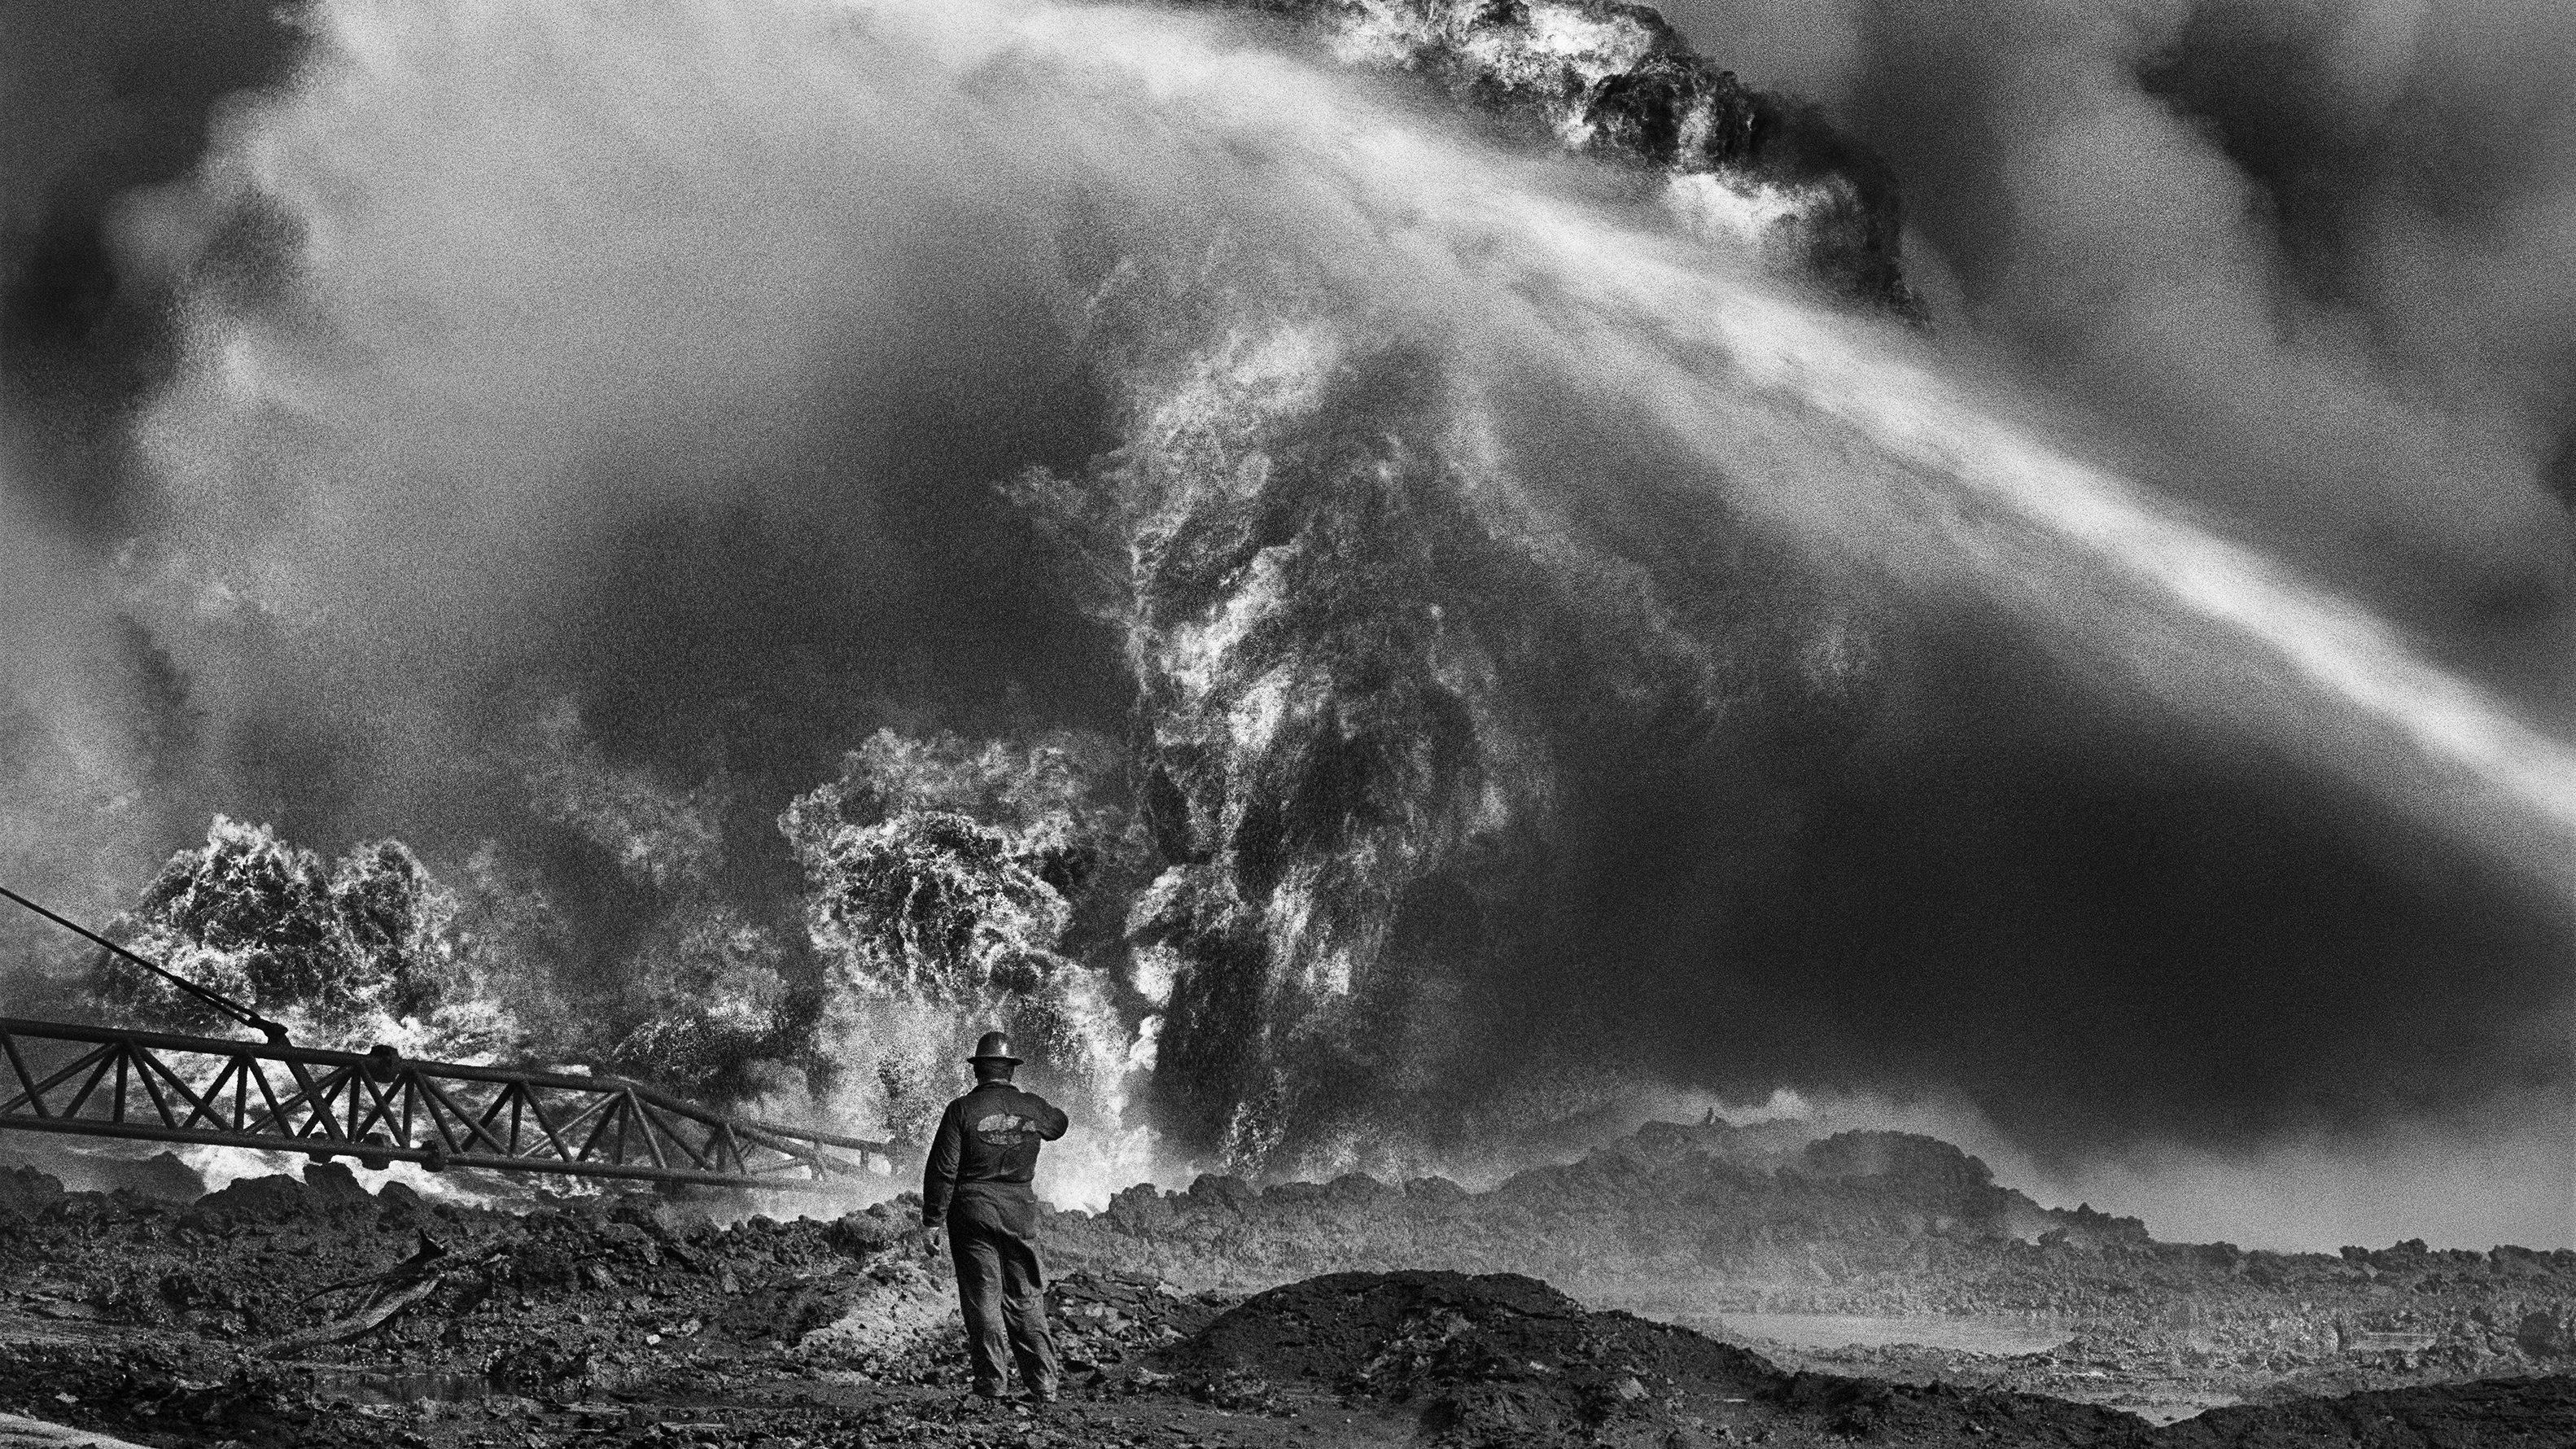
1014,1061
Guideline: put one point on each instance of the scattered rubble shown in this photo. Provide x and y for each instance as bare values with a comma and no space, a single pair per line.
1695,1223
309,1309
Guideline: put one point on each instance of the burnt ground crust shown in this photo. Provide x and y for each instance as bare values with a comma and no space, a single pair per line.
637,1319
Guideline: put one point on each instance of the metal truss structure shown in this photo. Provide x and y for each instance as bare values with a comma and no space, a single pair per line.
381,1108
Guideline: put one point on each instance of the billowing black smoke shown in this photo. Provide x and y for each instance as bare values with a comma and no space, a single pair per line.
101,738
820,534
2308,263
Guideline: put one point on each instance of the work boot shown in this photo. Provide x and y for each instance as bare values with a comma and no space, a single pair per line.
1041,1393
988,1388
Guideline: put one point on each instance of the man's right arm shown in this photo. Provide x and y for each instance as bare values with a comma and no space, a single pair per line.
1050,1119
939,1174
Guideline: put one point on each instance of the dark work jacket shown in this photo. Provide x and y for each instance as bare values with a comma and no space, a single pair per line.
985,1153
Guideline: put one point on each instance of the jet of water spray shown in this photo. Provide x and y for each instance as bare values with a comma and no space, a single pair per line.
2076,547
1840,430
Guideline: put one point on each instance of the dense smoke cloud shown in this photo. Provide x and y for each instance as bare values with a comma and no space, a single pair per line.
490,310
2308,263
94,101
2312,256
558,478
588,433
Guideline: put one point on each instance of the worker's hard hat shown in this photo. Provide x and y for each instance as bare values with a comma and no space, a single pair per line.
995,1047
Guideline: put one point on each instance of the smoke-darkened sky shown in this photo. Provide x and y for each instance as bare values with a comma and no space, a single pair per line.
357,413
2308,264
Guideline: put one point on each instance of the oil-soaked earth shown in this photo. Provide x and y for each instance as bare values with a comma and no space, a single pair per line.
317,1311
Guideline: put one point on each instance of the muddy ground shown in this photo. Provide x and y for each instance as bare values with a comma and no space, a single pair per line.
251,1316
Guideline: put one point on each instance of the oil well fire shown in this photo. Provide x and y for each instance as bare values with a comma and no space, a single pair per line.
1393,593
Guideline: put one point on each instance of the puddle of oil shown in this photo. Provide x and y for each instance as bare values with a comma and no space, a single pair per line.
2390,1341
360,1387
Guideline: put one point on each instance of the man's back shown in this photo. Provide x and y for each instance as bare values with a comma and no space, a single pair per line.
976,1185
987,1144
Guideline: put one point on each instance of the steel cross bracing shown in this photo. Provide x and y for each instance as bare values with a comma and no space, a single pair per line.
382,1108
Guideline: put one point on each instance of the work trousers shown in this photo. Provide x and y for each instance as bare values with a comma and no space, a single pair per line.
1002,1291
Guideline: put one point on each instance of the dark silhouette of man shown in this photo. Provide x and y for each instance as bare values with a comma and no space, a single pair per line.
976,1185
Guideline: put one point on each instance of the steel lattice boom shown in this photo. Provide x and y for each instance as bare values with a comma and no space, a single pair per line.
381,1108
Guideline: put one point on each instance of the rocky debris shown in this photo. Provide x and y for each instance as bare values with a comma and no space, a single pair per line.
1502,1359
1106,1320
27,1193
2537,1413
1108,1327
1854,1223
2546,1332
270,1199
1685,1224
335,1186
636,1319
605,1282
82,1169
1694,1224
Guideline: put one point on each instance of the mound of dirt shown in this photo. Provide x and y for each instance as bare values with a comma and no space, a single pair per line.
26,1193
160,1176
2526,1413
1503,1359
1703,1225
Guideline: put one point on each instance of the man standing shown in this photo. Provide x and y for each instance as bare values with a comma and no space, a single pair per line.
976,1184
